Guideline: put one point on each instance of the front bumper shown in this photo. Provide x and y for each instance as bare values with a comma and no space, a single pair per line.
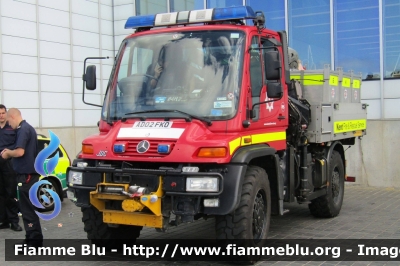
168,183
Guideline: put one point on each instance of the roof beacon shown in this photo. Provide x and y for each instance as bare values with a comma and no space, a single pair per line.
190,17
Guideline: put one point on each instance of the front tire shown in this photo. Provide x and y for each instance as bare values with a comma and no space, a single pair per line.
48,205
251,220
103,235
330,204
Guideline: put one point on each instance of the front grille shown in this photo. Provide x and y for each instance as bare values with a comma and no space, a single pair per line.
152,151
151,182
91,179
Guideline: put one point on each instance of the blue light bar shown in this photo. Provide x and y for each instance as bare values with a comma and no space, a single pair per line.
188,17
237,12
140,21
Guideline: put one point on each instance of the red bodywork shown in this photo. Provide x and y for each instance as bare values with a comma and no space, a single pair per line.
196,134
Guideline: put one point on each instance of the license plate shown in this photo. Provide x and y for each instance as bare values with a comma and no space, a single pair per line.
152,124
70,195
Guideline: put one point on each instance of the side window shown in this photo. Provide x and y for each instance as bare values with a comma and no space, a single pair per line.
135,61
267,46
255,68
123,69
142,58
43,144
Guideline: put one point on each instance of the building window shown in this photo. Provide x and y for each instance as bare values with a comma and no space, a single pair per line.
274,12
146,7
223,3
185,5
391,38
309,32
357,36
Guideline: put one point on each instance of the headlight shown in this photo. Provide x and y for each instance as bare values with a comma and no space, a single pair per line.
75,177
202,184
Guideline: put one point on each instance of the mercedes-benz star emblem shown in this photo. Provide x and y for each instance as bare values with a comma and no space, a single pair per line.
143,146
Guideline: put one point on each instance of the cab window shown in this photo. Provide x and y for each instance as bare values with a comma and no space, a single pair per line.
44,143
255,68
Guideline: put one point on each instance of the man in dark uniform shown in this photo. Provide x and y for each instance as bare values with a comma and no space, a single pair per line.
24,154
8,182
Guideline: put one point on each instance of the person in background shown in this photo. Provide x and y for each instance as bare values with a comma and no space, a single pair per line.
24,154
8,183
294,61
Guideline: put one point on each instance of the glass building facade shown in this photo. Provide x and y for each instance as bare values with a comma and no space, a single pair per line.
391,38
356,36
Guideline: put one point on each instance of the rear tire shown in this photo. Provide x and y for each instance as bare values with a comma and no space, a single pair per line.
250,221
103,235
330,204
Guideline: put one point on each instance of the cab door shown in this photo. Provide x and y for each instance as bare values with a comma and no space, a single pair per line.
273,112
256,76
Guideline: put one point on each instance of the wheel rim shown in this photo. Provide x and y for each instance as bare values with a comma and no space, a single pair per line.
336,185
43,192
259,215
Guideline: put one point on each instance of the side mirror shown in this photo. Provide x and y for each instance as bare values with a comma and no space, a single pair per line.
272,65
90,77
274,90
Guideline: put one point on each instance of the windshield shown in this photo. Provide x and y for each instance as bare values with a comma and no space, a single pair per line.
198,73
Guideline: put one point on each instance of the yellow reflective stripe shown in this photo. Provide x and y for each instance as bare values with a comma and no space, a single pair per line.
233,145
356,84
346,82
256,138
243,138
333,80
349,125
311,80
267,137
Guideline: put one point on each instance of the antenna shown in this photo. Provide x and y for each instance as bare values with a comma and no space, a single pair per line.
309,55
395,66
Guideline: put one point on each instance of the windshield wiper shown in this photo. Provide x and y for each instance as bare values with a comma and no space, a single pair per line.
204,119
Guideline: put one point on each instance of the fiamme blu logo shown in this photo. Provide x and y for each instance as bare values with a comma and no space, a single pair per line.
45,169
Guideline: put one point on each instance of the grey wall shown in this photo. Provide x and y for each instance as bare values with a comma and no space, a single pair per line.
375,159
43,44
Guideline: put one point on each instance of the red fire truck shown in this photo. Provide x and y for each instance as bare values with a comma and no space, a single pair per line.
207,116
